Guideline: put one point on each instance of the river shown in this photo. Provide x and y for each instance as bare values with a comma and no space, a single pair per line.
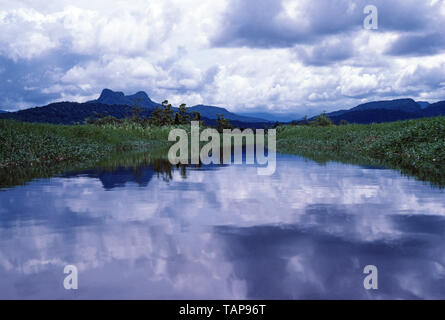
224,232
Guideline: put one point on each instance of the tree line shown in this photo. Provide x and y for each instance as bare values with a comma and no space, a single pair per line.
161,116
322,120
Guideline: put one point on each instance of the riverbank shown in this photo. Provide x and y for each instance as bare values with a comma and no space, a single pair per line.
415,147
36,144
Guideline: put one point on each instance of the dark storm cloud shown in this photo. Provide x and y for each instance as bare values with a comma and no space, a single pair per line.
251,23
263,24
269,23
326,53
418,45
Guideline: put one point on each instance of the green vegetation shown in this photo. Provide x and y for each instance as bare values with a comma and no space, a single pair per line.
162,116
31,144
37,144
10,177
416,147
183,117
321,120
222,123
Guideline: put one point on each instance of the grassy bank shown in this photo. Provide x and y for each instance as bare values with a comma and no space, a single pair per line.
34,144
416,147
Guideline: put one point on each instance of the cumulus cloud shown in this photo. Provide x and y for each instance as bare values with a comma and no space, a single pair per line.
285,23
328,52
22,35
296,56
418,44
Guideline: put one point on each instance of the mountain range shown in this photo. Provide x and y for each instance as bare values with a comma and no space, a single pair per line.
376,111
212,112
280,117
119,105
423,104
388,111
116,104
141,99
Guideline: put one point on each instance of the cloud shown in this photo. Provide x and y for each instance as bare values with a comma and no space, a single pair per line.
289,56
326,53
426,77
177,248
285,23
267,24
418,45
22,35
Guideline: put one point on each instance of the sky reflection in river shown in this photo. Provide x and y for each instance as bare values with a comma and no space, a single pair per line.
224,232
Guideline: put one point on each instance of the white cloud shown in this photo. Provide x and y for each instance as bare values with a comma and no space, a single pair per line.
22,35
165,48
355,83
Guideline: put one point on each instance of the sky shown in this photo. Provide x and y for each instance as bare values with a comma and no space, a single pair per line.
298,56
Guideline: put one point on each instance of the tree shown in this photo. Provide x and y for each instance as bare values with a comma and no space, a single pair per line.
162,116
223,123
136,113
156,117
166,113
322,120
184,118
343,122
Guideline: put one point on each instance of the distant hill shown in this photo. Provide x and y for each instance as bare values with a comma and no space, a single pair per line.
388,111
211,112
281,117
406,105
73,112
70,112
118,105
110,97
423,104
375,116
435,109
1,111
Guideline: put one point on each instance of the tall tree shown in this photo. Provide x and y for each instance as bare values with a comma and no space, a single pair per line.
166,118
184,118
223,123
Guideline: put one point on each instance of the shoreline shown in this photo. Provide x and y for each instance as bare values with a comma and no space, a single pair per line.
414,147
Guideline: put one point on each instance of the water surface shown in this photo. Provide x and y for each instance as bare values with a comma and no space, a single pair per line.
224,232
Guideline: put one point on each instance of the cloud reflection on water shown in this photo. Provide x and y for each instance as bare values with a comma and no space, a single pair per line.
305,232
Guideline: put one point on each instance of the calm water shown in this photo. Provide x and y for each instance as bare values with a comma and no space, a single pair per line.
224,232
